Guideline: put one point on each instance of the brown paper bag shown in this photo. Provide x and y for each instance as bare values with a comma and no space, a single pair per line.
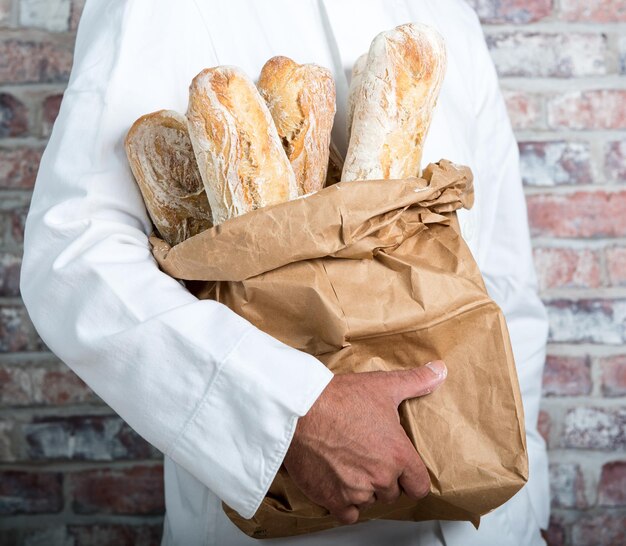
374,275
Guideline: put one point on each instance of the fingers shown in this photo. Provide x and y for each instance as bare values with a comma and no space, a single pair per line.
415,480
390,494
346,515
405,384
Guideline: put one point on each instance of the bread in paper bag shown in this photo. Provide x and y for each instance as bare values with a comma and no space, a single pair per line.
383,281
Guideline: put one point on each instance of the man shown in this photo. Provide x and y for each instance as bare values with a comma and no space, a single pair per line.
226,403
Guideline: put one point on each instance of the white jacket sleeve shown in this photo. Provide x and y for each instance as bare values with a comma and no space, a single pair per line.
505,259
203,385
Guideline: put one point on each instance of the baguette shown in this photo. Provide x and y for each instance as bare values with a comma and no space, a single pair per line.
394,103
355,84
240,156
163,163
301,99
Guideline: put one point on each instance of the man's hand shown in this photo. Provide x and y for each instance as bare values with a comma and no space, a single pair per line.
350,448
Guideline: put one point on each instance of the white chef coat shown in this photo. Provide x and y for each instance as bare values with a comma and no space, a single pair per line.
219,397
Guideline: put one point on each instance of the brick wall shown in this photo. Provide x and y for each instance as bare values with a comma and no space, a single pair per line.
72,472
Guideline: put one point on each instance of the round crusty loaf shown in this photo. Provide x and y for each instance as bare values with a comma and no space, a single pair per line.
163,163
240,156
301,99
394,103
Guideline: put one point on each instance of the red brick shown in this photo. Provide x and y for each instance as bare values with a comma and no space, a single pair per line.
544,425
579,214
612,488
566,376
567,268
592,321
616,265
35,536
8,449
33,383
567,486
136,490
13,116
17,332
615,161
75,13
601,11
115,534
51,107
93,438
594,109
16,220
30,492
595,428
18,167
511,11
600,530
555,163
525,109
9,274
555,534
561,55
613,375
29,61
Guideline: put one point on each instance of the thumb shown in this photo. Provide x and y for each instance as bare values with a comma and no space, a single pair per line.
419,381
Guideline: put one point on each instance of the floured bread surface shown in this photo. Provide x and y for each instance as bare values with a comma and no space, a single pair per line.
240,156
301,99
394,103
163,163
355,84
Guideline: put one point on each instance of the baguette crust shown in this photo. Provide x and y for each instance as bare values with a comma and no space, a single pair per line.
163,163
301,99
355,84
240,157
394,103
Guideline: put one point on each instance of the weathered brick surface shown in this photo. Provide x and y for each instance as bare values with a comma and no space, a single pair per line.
602,11
613,375
50,108
53,15
566,376
118,535
30,492
525,109
616,265
37,383
593,109
593,321
580,214
136,490
595,428
602,530
612,488
567,486
555,534
615,161
511,11
13,116
18,167
10,264
94,438
567,268
6,7
544,425
555,163
75,13
29,61
17,332
538,54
